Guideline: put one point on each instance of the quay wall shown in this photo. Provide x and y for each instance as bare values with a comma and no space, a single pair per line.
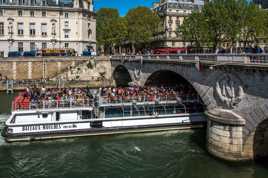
36,68
72,71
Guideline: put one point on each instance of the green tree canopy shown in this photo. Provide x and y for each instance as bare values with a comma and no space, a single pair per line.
142,25
225,22
194,30
111,28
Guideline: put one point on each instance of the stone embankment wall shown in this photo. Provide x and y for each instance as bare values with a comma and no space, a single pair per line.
71,71
37,68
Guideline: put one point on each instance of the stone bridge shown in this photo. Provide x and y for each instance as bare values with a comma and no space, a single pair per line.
234,89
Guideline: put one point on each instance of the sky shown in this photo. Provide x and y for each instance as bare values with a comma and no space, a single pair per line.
122,5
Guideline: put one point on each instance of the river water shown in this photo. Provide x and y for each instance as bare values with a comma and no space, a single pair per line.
180,154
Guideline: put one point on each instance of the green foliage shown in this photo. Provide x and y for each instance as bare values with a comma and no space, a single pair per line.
225,21
142,25
138,27
194,30
111,28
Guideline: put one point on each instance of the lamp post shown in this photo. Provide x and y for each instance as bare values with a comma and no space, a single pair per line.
10,33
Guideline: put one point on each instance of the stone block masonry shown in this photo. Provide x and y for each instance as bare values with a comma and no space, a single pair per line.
36,68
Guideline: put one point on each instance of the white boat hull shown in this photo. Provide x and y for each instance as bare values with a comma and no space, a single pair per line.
41,131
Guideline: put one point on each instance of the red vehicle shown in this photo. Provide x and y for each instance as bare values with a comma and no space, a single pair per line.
169,50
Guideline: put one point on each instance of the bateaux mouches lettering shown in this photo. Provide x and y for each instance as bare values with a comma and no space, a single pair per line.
51,126
47,127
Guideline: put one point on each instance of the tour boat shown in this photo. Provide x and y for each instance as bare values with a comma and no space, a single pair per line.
62,119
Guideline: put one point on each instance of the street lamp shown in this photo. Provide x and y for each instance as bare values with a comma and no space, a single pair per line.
10,32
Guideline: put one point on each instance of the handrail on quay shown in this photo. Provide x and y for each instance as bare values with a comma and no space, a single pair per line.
249,58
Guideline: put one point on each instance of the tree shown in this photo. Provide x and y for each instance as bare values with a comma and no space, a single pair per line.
106,19
194,30
253,25
215,15
142,25
225,22
120,32
235,10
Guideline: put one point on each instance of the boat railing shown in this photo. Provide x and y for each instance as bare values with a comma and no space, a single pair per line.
51,104
165,99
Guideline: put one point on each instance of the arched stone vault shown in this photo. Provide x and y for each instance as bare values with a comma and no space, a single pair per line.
141,73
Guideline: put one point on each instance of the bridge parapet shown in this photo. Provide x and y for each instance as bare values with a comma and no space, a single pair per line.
216,58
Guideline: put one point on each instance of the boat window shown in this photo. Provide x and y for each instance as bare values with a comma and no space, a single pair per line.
86,114
113,112
180,109
160,110
138,110
170,109
96,124
127,111
149,110
57,116
44,115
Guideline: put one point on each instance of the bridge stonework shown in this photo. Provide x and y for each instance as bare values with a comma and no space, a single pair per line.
235,95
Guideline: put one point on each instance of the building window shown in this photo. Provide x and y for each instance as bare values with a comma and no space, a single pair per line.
20,28
66,45
20,46
21,2
44,3
44,45
44,29
66,15
20,13
33,2
66,34
32,46
2,28
173,43
66,24
32,29
44,13
89,33
1,12
32,13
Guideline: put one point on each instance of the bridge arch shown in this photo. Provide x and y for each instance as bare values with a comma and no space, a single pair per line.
260,142
170,78
121,76
165,78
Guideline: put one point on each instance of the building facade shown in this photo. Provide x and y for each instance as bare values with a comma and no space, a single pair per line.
262,3
27,25
172,13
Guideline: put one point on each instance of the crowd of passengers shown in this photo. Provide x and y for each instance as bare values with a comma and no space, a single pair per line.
147,93
52,97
